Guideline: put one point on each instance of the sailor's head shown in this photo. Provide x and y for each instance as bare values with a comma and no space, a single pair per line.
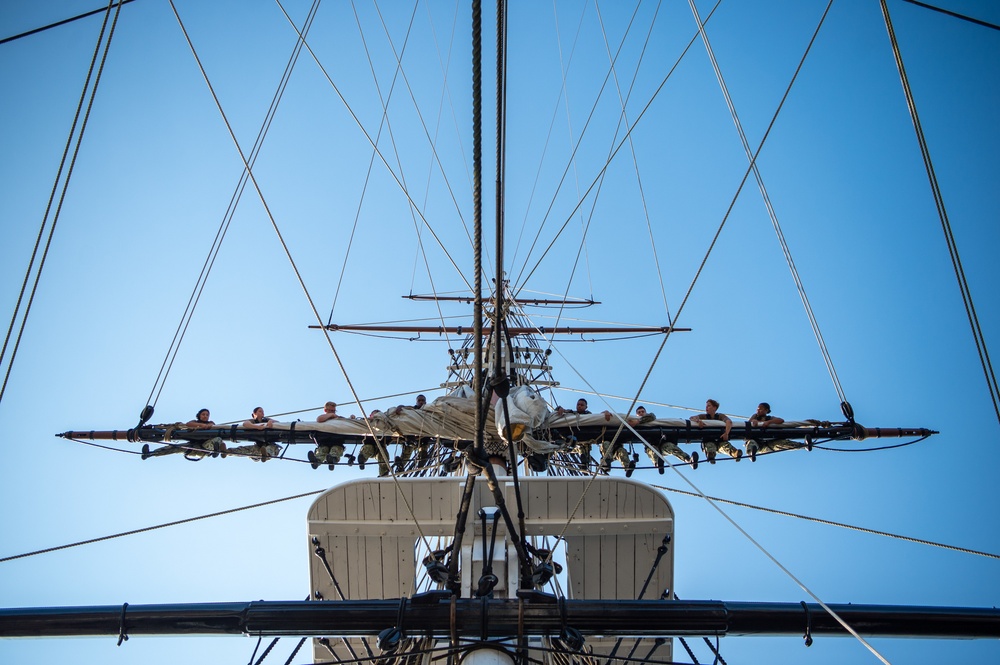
581,405
641,411
421,400
763,409
330,407
203,415
258,413
711,405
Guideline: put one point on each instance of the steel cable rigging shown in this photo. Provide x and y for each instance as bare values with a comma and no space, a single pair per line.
62,194
763,190
227,217
949,236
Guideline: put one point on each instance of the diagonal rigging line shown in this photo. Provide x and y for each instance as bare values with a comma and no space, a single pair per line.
227,217
753,167
635,162
597,193
763,190
970,19
288,254
569,164
62,195
585,230
445,64
597,177
430,140
584,226
383,123
552,124
57,24
159,526
622,118
949,236
367,136
839,524
400,73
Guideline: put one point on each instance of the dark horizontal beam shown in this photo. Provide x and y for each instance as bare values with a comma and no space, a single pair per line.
512,331
432,617
678,434
575,302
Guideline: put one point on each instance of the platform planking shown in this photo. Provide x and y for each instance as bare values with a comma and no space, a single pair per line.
371,530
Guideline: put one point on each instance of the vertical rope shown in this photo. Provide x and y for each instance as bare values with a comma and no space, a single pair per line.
62,196
956,261
477,212
751,156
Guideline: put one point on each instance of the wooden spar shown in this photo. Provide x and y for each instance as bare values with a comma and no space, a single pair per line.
571,302
431,614
511,331
678,434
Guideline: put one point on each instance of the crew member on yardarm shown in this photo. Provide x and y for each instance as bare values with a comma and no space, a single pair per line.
665,446
722,443
326,452
619,452
762,418
581,410
408,446
371,450
261,452
192,450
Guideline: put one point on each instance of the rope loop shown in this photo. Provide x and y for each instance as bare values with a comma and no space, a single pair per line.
807,638
122,634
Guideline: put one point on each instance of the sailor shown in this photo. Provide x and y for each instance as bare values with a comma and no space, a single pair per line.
619,452
722,443
259,421
581,408
371,450
408,446
421,402
665,446
327,451
258,452
192,450
583,448
762,418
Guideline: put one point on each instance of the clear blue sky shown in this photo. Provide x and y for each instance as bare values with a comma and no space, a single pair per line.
157,169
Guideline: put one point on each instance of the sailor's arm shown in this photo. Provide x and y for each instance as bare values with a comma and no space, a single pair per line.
729,426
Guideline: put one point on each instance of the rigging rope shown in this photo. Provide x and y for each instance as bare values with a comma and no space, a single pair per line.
227,218
284,246
401,73
777,563
371,142
842,525
432,143
552,122
159,526
950,13
635,161
752,157
949,236
59,23
589,218
521,282
62,195
421,251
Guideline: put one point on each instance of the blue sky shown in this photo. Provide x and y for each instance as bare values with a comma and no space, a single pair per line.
843,170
